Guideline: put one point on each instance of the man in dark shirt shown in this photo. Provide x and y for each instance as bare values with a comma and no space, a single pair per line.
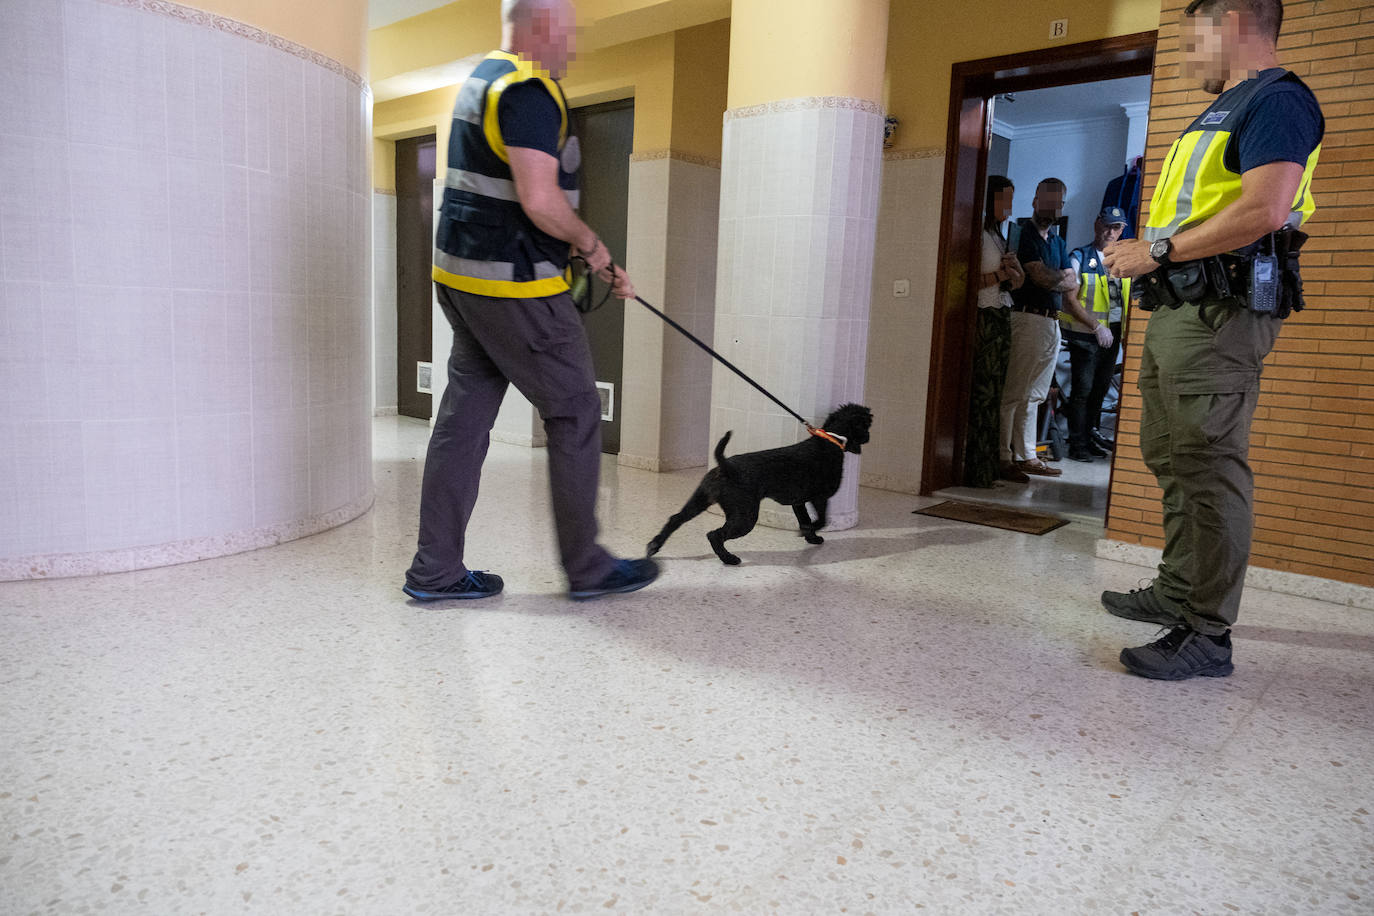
502,244
1034,332
1240,173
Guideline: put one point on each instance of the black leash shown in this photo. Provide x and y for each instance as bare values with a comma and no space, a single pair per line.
585,306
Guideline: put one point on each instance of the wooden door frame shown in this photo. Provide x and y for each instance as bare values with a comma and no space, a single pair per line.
972,83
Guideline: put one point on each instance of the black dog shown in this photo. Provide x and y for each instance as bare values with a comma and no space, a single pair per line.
794,475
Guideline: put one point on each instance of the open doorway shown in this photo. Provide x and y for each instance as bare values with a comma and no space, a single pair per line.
975,110
1092,137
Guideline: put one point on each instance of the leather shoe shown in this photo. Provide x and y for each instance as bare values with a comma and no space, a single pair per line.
1038,468
1010,471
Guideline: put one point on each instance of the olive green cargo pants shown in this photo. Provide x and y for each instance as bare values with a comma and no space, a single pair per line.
1199,379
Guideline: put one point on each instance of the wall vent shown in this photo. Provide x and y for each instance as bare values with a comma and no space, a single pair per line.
607,392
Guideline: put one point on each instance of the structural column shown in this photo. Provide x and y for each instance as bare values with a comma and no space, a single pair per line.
802,162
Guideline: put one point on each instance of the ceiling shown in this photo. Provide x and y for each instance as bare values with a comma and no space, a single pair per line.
1083,101
385,12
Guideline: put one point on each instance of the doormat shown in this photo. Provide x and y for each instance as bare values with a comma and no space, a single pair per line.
994,517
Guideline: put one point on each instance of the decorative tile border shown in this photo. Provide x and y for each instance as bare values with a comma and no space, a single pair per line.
1270,580
68,565
655,155
805,104
242,30
901,155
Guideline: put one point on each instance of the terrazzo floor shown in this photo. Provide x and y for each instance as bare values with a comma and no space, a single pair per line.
919,715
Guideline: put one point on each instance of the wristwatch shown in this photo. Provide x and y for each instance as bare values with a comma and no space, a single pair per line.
1160,249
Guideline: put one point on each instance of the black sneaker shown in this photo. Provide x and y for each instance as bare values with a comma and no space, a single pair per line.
476,584
1081,454
626,576
1102,441
1182,653
1097,451
1142,604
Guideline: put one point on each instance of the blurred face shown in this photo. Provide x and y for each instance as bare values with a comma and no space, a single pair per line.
1107,233
1208,43
1049,206
1001,204
553,37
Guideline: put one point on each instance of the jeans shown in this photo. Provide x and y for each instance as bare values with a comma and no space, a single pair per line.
1091,368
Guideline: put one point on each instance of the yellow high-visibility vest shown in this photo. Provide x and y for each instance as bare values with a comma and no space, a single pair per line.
1196,184
1094,291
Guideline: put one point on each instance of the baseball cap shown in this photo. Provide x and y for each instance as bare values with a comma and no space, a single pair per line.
1113,215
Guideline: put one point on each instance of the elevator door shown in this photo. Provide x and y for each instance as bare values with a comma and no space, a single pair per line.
414,291
606,133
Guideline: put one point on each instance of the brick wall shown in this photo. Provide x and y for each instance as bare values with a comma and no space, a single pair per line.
1312,444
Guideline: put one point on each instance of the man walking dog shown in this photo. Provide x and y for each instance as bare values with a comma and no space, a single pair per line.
1218,266
500,259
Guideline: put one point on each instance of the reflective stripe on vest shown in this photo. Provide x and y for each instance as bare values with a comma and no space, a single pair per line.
485,243
1094,292
1195,183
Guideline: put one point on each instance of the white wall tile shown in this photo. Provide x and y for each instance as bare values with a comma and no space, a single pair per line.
33,67
165,165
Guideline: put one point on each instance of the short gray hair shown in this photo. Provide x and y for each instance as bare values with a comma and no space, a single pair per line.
515,11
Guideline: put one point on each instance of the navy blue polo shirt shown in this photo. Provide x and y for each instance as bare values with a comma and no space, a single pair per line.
529,117
1054,254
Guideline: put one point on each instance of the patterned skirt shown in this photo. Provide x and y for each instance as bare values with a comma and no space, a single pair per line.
991,350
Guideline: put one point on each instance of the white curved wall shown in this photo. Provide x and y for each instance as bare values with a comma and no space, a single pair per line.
184,288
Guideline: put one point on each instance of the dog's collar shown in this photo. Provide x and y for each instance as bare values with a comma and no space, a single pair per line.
832,438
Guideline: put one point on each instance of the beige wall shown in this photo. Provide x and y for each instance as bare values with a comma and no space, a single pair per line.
831,47
337,30
924,40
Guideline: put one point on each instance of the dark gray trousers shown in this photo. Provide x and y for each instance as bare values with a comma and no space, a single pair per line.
540,347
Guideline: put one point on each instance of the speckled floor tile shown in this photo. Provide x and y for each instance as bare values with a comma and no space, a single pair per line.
916,715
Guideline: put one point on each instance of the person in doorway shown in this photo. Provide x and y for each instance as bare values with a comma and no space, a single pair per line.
502,247
1218,267
1104,298
1034,333
1000,274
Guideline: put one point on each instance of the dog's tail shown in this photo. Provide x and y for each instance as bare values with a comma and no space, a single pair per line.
721,461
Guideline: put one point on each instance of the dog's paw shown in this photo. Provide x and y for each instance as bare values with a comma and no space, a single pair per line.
654,547
814,539
729,559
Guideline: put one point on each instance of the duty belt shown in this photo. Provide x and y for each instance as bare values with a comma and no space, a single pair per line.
1228,277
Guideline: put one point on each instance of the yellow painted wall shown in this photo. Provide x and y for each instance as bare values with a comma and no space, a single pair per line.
669,112
384,165
642,69
826,47
340,34
474,26
702,67
437,37
925,39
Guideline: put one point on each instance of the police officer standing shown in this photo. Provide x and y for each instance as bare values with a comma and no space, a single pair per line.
1218,266
502,247
1104,299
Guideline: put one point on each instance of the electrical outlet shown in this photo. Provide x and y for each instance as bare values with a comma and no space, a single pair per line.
901,289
